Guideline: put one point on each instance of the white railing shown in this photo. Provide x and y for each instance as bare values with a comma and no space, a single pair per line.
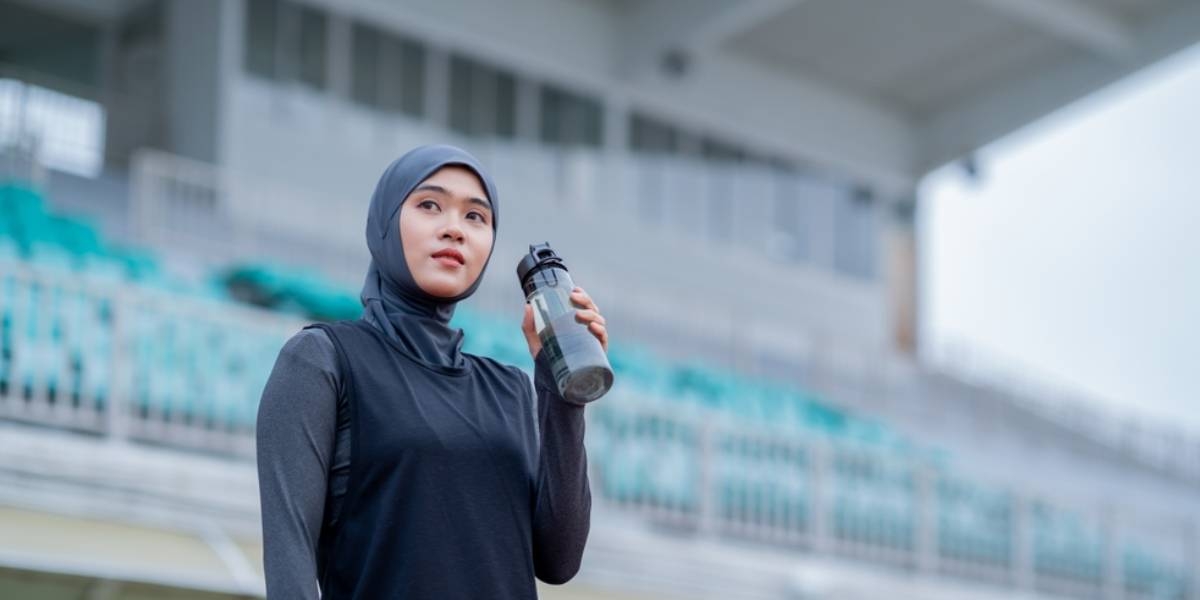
1169,448
130,362
221,216
704,476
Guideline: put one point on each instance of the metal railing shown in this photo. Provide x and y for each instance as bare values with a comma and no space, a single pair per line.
711,477
1168,447
222,216
132,362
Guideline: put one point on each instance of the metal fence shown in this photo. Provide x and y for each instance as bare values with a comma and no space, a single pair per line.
222,216
808,493
103,355
128,361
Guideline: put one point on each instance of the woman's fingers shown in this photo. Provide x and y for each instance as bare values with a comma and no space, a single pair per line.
588,316
583,300
601,334
589,313
527,321
531,337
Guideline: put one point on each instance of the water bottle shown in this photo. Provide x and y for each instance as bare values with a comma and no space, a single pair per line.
576,358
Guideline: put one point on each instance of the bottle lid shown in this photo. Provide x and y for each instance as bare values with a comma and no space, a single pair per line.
540,256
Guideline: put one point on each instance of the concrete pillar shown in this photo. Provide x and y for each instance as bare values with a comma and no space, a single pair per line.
901,270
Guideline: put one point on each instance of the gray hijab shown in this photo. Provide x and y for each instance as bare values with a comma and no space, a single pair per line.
392,301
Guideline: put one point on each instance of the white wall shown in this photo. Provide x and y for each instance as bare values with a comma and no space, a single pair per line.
334,151
579,44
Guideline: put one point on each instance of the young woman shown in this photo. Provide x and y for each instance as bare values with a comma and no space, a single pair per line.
393,465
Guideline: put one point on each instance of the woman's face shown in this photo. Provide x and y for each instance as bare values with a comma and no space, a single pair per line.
446,230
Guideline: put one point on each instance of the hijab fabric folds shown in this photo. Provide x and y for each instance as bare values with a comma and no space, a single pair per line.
392,301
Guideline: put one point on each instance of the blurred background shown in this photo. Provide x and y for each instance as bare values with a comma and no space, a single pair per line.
903,293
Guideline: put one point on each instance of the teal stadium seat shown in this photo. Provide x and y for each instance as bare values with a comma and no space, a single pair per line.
205,374
974,524
1064,547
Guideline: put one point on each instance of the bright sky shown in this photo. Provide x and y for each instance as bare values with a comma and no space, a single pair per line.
1075,260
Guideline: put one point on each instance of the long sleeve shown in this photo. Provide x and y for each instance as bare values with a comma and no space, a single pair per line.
563,510
297,422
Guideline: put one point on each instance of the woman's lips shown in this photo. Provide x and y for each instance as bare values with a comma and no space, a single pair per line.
448,261
449,257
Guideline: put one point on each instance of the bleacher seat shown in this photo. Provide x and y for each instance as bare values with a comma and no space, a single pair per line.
202,373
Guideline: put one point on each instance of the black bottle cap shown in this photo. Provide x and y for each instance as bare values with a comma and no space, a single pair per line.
540,256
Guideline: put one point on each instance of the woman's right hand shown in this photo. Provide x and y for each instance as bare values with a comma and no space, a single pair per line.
587,314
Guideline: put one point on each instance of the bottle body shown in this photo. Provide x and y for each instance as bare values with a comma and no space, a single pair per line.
578,362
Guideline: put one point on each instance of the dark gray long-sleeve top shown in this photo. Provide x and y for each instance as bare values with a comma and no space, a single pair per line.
304,462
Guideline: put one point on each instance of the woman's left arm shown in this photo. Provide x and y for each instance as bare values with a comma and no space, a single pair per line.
563,508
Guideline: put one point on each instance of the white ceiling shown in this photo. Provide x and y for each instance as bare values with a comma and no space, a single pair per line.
960,73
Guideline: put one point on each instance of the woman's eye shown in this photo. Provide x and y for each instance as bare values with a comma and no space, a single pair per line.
478,217
428,204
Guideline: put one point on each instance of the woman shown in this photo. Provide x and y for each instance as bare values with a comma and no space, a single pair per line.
392,464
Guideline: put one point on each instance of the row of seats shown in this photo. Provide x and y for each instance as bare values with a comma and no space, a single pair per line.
57,330
29,231
653,459
207,371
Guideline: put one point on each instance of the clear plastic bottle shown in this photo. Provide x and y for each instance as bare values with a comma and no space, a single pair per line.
576,357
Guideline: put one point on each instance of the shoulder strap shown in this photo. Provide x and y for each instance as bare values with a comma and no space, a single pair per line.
533,406
330,330
331,535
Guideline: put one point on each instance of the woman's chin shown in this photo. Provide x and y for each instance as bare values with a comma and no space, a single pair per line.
443,289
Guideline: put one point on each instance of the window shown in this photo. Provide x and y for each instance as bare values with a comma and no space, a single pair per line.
570,119
788,240
649,135
389,71
286,42
722,186
855,234
312,42
716,150
483,99
262,16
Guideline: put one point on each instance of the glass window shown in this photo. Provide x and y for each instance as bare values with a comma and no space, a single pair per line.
262,17
506,105
411,65
649,135
788,236
483,99
388,71
570,119
312,28
717,150
364,85
401,75
855,234
286,42
461,93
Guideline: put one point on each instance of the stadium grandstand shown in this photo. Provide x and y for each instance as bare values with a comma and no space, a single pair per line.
184,186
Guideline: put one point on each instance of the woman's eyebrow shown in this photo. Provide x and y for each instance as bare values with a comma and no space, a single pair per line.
429,187
481,202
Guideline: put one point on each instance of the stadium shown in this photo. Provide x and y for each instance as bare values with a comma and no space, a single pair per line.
185,183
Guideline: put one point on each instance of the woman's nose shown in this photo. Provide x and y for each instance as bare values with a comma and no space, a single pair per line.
452,231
